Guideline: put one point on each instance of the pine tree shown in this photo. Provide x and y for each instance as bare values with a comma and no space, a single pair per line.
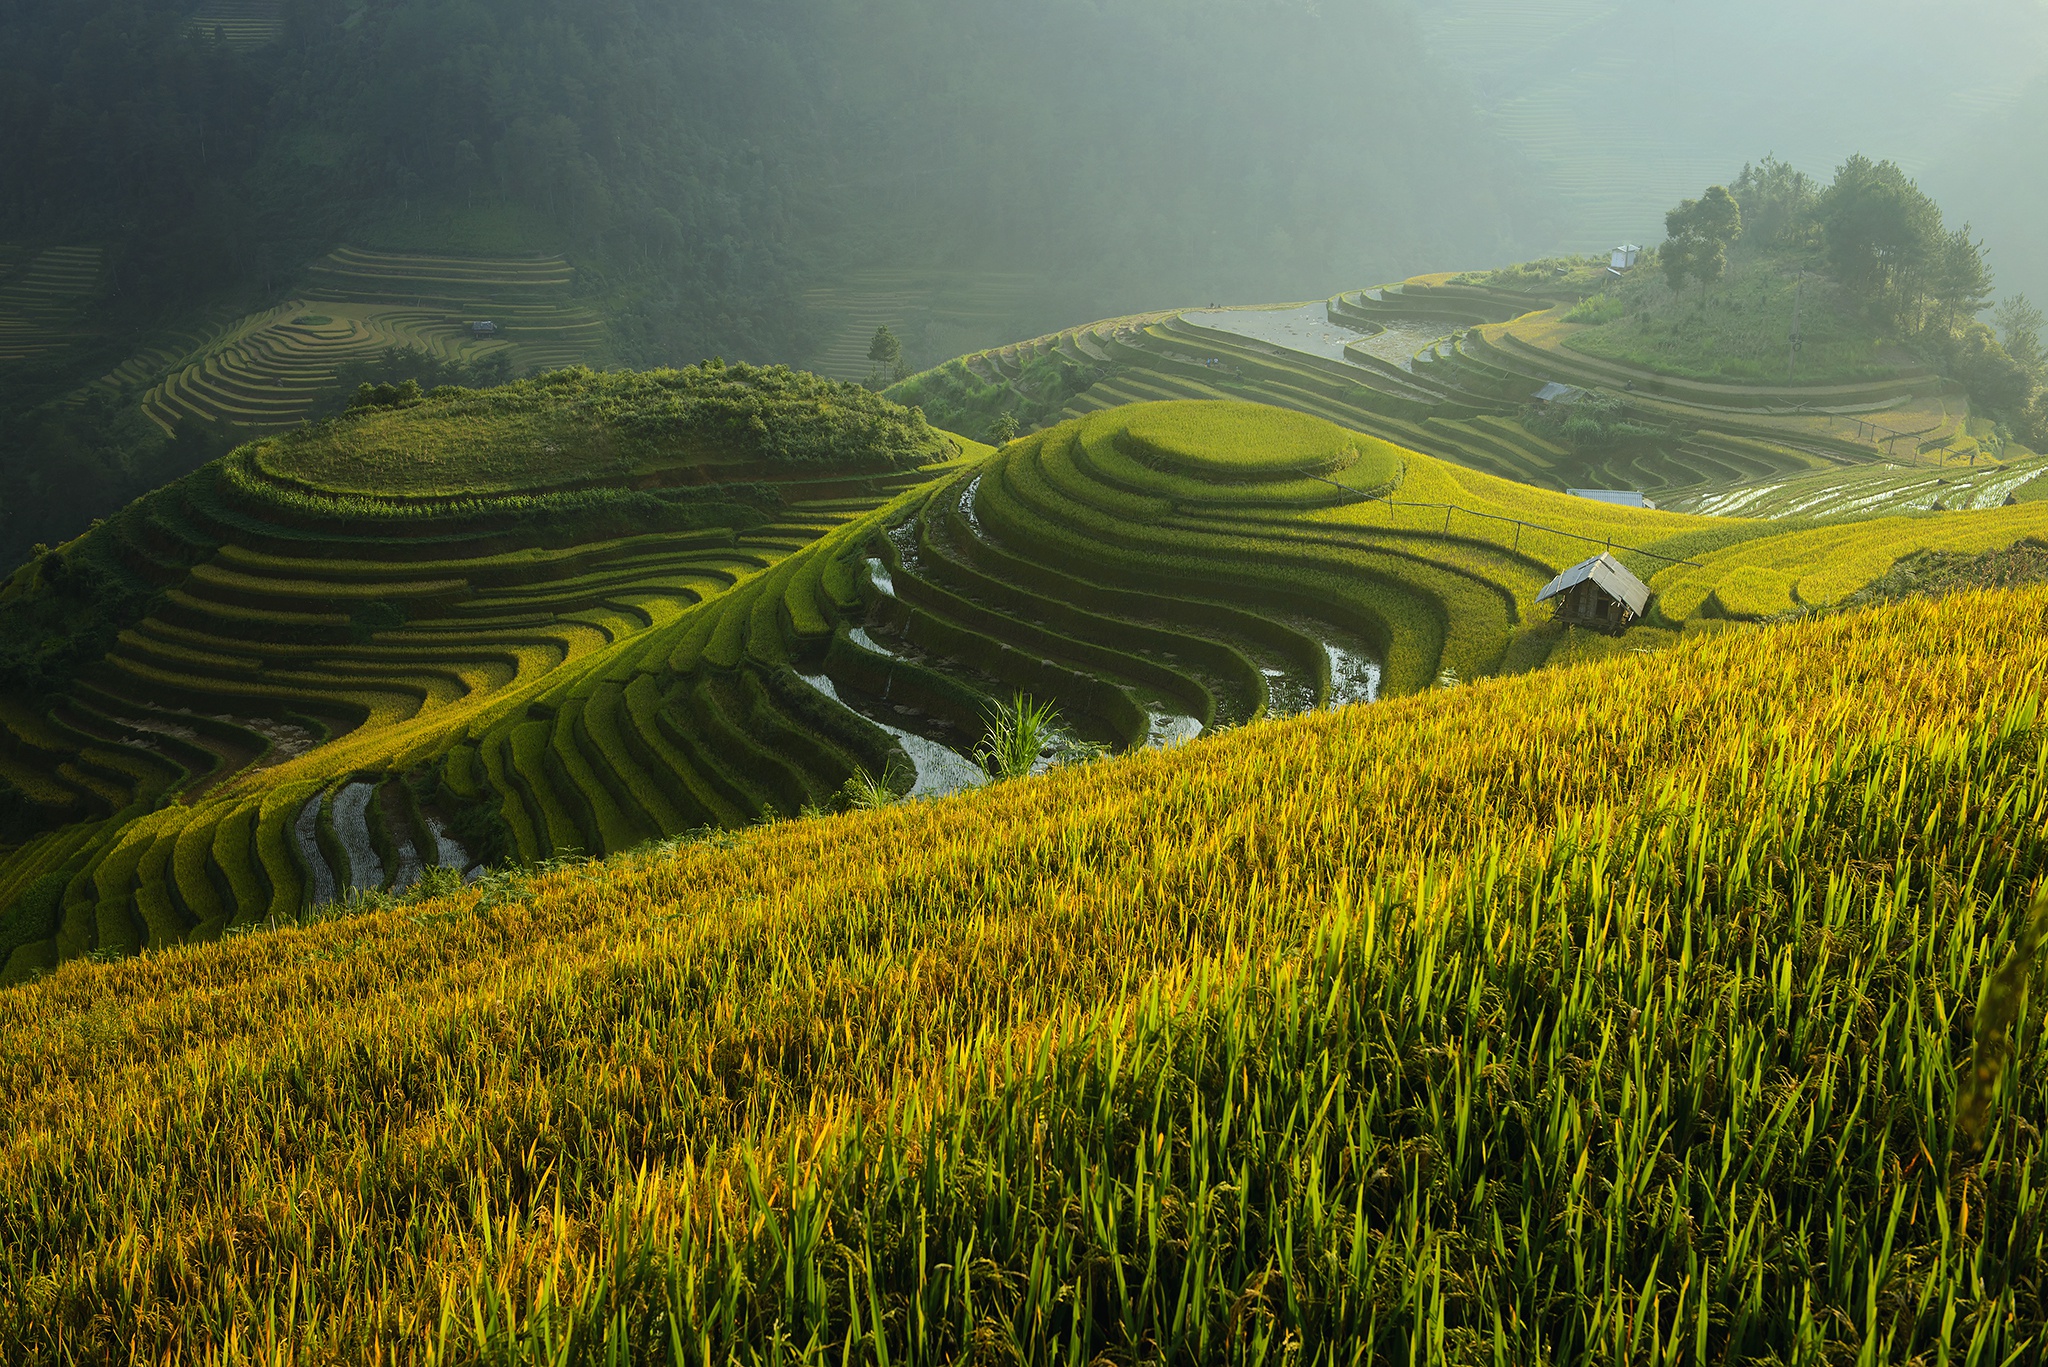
887,355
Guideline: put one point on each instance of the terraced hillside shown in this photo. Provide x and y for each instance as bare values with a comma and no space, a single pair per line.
1880,487
933,312
241,24
583,613
265,371
1475,370
231,701
42,297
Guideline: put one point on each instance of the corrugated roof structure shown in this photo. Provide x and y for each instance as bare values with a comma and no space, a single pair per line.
1609,574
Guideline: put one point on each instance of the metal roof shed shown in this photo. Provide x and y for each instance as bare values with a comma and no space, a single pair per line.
1599,593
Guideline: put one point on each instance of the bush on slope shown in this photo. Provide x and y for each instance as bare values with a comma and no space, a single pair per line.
1613,1013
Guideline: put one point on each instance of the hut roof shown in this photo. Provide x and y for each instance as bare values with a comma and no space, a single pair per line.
1610,574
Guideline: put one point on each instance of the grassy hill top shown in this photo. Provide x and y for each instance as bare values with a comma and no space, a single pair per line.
1739,330
579,428
1620,1012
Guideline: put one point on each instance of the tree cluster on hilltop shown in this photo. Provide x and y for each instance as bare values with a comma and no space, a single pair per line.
1874,232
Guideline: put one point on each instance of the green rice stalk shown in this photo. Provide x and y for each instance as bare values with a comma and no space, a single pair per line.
2005,999
1017,735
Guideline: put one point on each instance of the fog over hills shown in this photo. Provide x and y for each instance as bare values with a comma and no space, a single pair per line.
1624,106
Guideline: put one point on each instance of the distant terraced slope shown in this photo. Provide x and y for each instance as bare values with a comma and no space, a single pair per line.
942,311
264,372
1455,367
42,298
241,24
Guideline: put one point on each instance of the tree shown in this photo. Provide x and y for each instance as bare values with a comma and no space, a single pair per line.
1778,202
1003,430
887,354
1883,236
2020,323
1698,234
1961,278
1997,383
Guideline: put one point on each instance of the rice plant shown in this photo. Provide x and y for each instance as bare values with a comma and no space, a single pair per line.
1019,734
865,792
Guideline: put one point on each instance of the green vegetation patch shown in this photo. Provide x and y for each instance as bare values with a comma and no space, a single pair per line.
1739,328
1234,442
578,427
1935,574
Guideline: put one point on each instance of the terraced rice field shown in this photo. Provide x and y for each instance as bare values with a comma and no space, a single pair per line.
42,296
1456,370
341,689
1871,490
1701,978
266,371
240,24
326,683
941,313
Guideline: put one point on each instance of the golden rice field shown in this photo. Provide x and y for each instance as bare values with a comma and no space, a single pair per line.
1650,1011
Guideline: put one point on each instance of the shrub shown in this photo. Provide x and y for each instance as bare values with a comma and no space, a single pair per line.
1601,308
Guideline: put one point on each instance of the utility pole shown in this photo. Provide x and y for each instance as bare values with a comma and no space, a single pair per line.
1798,289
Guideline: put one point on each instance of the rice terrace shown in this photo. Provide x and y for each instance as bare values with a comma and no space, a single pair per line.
1497,816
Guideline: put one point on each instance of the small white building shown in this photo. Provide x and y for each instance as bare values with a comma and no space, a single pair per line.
1627,498
1625,258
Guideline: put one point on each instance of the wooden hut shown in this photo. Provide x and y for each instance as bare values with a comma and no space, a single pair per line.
1599,593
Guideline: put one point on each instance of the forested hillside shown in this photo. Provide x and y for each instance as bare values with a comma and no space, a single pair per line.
700,167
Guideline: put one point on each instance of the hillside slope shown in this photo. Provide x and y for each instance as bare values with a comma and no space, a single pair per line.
1612,1013
572,617
209,705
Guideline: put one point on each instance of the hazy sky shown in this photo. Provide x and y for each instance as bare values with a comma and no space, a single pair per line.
1627,104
